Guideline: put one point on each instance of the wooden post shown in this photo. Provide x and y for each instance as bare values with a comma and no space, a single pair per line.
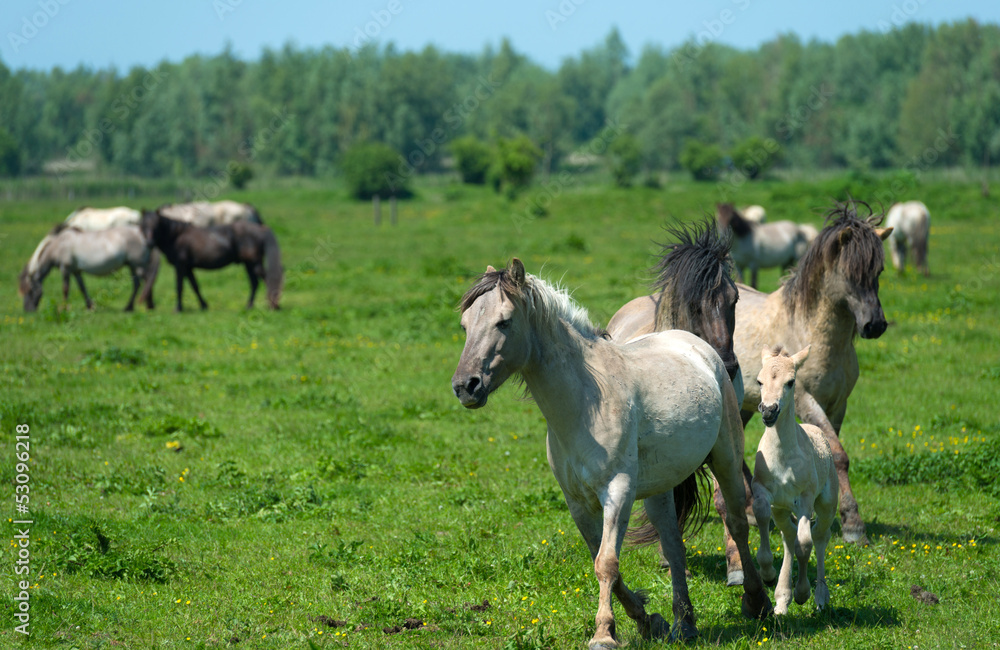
377,207
392,209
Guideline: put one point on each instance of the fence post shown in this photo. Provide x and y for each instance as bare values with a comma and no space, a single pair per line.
392,209
377,208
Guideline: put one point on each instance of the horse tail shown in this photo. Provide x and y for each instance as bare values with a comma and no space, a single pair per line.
274,273
152,270
690,504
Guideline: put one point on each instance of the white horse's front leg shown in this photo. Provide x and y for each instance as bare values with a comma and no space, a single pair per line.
783,591
617,504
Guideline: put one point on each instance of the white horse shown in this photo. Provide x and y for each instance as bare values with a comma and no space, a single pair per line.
100,218
625,422
911,226
793,475
763,245
74,251
204,213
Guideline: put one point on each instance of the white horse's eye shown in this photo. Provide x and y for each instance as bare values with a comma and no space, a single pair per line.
790,383
504,324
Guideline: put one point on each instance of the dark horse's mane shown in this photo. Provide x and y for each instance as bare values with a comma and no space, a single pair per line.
695,265
851,240
728,215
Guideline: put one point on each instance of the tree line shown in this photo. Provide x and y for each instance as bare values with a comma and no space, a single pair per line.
870,100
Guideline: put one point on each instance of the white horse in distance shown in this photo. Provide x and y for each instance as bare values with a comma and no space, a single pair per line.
911,228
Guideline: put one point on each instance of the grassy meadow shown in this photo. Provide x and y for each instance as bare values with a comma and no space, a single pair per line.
306,479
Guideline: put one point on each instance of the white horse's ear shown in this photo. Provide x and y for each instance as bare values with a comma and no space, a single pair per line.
845,236
800,357
516,270
883,233
490,269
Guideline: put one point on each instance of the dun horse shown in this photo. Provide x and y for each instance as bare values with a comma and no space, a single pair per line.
911,228
694,291
792,476
74,251
188,247
830,298
625,422
763,245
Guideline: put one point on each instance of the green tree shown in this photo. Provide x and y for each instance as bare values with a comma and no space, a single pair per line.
515,163
704,161
754,156
373,168
625,158
10,154
473,158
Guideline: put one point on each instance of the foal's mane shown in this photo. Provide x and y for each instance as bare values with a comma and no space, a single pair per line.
545,300
694,266
860,258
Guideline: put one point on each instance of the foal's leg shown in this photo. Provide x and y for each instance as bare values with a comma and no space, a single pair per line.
852,526
783,591
253,274
83,289
663,515
803,549
197,292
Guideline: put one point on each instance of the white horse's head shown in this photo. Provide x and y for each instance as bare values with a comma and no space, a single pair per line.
497,331
777,381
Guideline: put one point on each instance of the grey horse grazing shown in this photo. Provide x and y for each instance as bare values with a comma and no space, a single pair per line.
625,422
763,245
98,252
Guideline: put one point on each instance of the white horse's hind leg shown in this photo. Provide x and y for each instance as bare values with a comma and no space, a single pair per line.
826,510
663,516
803,549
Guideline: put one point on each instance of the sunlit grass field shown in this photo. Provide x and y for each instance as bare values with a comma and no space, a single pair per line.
305,478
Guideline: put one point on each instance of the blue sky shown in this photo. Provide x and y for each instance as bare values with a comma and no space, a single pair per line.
41,34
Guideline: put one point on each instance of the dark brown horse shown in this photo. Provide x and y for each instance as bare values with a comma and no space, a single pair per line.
190,247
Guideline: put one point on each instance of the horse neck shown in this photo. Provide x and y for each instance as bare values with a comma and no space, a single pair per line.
558,371
43,259
827,323
783,437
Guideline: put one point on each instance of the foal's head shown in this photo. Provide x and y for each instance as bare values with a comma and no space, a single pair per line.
699,295
843,264
497,330
777,381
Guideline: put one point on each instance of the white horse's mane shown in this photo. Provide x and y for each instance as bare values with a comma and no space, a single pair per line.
33,262
553,301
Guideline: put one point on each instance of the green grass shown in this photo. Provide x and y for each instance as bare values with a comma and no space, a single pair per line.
246,479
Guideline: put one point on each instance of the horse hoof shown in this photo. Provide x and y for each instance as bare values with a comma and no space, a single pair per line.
758,608
856,536
656,628
683,632
734,579
603,645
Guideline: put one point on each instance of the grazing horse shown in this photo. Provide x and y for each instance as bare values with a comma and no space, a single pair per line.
188,247
74,251
762,245
205,213
792,477
100,218
625,422
911,227
830,298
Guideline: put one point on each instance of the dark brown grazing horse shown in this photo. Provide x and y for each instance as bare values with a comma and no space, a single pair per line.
190,247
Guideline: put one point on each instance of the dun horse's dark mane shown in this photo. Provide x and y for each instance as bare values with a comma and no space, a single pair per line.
860,258
61,226
731,217
697,264
488,282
